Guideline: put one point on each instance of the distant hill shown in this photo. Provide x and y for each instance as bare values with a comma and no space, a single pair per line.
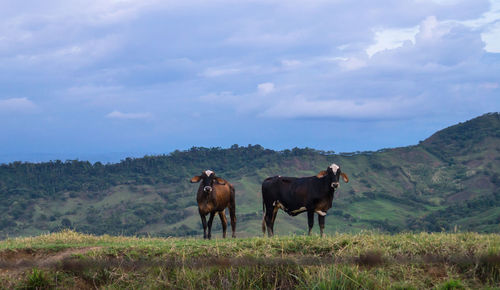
450,181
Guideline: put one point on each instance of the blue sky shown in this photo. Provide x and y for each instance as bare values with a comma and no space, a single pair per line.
102,80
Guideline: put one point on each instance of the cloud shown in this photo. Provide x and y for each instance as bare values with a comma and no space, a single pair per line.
265,88
260,38
70,56
491,37
489,86
437,43
171,60
291,62
352,63
378,109
17,105
391,38
217,72
431,29
415,71
95,96
220,98
128,116
424,72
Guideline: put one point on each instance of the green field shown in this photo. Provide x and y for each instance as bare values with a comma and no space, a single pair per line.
70,260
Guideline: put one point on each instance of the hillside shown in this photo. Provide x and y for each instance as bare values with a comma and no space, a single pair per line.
449,181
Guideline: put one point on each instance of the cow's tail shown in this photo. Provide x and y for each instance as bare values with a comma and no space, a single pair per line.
263,216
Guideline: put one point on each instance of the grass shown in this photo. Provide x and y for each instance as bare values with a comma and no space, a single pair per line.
378,209
407,245
342,261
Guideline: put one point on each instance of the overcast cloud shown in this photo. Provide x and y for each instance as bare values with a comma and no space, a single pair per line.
143,77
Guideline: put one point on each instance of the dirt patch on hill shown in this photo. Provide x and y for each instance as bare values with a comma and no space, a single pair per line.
482,183
16,261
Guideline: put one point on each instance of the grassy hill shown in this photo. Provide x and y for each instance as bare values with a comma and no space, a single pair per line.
70,260
448,182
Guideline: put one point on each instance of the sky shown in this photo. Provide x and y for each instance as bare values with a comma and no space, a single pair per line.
102,80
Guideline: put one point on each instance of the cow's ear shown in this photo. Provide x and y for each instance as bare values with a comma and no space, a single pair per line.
195,179
322,174
344,176
220,181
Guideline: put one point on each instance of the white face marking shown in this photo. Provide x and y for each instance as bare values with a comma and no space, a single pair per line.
334,168
208,172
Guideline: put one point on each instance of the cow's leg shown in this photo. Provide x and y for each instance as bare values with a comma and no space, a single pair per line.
232,214
209,224
269,217
223,220
275,212
321,222
204,224
310,220
264,225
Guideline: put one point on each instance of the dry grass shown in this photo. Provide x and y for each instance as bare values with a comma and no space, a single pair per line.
344,261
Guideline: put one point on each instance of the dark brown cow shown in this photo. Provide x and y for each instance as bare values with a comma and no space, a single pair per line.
296,195
214,195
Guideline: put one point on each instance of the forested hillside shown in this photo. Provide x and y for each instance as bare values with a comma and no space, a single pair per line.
449,181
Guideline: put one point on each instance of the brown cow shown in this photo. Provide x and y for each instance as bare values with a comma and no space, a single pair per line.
214,195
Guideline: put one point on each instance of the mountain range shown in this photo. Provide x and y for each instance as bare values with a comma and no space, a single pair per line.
448,182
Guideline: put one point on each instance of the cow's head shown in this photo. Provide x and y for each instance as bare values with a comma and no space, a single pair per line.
333,173
207,177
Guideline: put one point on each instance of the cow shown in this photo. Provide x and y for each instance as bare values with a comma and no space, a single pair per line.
297,195
214,195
